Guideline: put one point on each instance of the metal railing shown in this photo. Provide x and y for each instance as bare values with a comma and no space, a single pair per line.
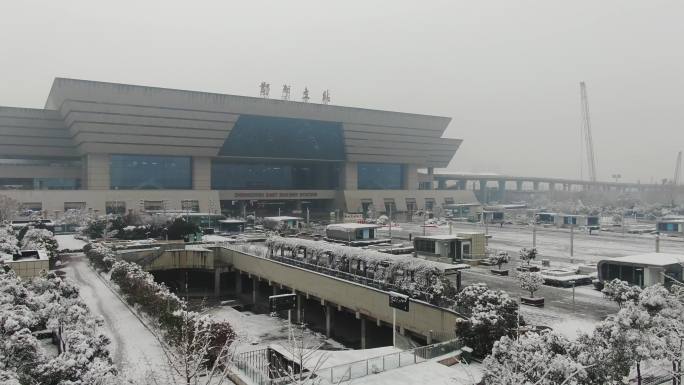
374,365
255,366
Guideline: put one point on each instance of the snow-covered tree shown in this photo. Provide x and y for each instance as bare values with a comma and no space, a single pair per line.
621,292
51,304
540,359
499,259
8,243
203,350
8,208
100,256
40,239
415,277
527,255
490,315
530,282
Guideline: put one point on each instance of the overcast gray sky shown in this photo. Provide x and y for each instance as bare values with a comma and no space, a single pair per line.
507,71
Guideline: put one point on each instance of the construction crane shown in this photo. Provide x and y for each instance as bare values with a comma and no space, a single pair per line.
586,132
675,180
678,169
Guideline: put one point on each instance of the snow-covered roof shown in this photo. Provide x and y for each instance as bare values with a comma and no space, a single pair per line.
196,248
351,226
332,358
651,259
450,205
283,218
231,221
439,237
28,255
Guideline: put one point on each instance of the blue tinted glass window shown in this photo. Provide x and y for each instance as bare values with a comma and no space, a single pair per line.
269,137
141,172
226,175
380,176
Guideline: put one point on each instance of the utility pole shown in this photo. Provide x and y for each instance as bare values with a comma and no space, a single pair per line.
572,239
390,223
534,235
657,243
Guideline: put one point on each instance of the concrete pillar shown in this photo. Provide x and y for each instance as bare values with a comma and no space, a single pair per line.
519,185
411,177
217,283
238,283
255,289
97,172
502,190
363,333
552,186
429,337
299,309
483,191
402,331
350,178
461,184
328,319
201,173
535,186
275,290
441,184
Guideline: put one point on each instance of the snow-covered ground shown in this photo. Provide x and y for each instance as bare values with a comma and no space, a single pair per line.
554,243
68,242
134,348
260,330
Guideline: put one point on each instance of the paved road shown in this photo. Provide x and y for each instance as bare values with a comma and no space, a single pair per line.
135,350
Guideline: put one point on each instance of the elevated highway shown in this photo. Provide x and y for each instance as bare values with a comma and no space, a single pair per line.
481,183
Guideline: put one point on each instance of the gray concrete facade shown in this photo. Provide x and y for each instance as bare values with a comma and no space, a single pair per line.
87,122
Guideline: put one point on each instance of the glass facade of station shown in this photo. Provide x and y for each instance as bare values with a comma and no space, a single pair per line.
39,184
380,176
231,175
273,137
143,172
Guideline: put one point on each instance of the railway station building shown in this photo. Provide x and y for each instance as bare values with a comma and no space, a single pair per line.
117,147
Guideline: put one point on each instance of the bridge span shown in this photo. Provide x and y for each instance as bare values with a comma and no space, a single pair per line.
502,183
251,273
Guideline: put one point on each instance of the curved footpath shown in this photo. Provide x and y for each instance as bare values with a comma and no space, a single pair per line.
135,350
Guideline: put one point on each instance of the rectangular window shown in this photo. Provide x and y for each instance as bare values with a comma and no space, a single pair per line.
143,172
153,205
449,201
380,176
115,207
429,203
74,206
424,245
274,175
190,205
390,206
31,206
425,186
411,205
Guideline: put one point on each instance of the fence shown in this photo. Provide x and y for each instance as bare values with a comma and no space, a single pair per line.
375,365
256,367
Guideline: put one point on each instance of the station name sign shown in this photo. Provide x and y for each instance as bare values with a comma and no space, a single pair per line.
282,302
271,195
399,301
